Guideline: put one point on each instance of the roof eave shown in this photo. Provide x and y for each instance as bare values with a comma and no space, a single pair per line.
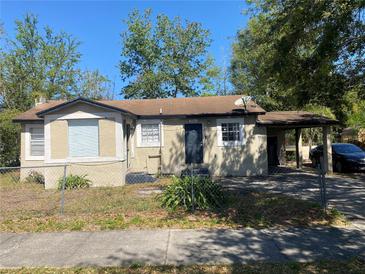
17,120
84,100
298,124
197,115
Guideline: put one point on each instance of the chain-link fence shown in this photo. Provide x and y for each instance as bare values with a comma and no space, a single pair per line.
55,189
204,191
92,191
23,194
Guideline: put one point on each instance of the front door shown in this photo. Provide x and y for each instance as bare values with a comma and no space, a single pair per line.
193,143
272,151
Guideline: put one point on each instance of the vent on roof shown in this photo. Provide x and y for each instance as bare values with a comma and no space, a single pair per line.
40,100
243,101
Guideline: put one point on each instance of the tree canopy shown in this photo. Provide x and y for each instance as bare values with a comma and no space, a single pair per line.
294,53
41,62
94,85
164,59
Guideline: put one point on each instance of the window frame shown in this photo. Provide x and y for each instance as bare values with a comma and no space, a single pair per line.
119,131
28,146
139,133
240,142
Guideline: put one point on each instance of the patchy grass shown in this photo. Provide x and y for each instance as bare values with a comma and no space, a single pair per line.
262,209
353,266
27,207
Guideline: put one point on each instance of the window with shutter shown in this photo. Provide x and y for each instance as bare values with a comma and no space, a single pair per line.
36,141
83,138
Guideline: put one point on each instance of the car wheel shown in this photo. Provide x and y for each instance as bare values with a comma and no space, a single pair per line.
339,167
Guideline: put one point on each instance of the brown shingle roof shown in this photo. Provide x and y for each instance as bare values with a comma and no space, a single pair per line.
301,118
193,106
31,114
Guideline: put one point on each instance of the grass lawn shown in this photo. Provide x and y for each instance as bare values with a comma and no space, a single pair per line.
351,267
27,207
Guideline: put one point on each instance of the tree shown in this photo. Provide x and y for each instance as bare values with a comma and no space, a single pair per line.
215,81
311,135
38,64
295,53
94,85
9,139
165,59
356,114
44,63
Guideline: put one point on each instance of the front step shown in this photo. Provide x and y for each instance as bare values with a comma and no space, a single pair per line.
139,178
201,171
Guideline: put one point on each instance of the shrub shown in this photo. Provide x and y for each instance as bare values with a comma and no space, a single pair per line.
9,138
207,193
35,177
74,182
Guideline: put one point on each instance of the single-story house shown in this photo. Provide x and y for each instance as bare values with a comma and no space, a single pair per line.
106,139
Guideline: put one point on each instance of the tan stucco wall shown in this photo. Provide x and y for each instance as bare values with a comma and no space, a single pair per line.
107,137
101,174
59,139
249,159
24,172
59,132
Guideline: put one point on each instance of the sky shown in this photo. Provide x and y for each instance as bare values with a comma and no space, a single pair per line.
98,24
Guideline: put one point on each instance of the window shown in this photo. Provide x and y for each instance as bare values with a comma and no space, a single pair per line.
83,138
148,133
230,132
36,141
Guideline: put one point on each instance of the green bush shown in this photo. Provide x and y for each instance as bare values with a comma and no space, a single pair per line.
9,138
35,177
207,193
74,182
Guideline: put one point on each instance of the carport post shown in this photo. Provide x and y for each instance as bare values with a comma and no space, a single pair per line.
298,148
327,150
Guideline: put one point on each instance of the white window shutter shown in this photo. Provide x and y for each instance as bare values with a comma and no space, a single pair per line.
83,138
243,134
37,141
219,134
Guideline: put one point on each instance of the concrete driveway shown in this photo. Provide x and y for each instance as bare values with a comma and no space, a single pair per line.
345,192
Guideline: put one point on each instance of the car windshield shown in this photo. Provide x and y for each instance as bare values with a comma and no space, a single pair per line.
347,148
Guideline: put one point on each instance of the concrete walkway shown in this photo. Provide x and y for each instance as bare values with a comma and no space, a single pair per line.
113,248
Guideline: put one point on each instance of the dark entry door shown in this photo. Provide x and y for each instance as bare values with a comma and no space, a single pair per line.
272,151
193,143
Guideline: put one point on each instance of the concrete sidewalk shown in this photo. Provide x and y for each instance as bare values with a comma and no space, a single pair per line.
170,246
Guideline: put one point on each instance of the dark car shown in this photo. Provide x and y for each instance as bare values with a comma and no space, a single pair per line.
345,157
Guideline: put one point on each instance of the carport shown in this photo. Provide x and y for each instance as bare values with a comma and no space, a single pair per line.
277,122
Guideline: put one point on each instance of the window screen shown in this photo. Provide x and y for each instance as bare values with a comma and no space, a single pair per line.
150,134
230,132
37,141
83,138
